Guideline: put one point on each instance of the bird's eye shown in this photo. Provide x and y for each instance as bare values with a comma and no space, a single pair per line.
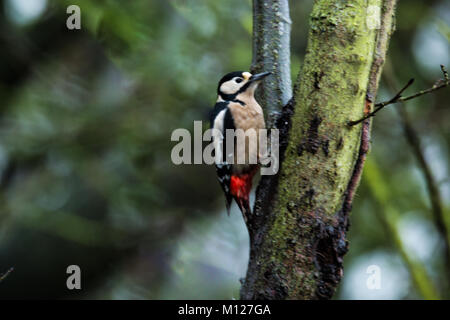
238,80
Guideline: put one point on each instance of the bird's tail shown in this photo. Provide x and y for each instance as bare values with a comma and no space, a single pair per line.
228,203
244,205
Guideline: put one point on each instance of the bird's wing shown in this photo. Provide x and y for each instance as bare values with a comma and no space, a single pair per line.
221,119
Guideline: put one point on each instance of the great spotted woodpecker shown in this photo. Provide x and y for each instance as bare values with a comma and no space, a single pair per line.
237,108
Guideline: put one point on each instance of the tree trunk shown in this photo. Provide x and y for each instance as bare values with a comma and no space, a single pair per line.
298,230
271,44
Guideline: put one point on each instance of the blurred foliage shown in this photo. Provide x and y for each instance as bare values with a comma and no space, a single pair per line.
85,170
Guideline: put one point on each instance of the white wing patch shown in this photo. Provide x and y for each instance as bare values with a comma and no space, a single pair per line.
217,135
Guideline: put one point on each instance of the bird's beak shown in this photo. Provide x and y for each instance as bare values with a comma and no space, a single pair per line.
259,76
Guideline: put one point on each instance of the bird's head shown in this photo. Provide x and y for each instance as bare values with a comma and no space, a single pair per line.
239,83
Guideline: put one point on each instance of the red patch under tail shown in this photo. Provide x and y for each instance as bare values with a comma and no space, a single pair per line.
240,187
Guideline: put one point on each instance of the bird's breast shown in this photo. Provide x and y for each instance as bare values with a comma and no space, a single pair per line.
247,116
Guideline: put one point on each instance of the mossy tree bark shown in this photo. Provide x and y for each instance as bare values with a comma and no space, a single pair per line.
298,230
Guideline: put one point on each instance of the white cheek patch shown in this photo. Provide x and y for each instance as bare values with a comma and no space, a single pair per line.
230,87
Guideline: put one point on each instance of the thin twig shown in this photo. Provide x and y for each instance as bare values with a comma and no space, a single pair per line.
432,187
441,83
414,141
3,276
444,72
389,217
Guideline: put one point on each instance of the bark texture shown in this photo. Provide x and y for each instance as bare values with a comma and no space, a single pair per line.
271,44
300,219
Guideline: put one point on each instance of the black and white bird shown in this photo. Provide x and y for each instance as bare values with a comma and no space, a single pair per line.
237,108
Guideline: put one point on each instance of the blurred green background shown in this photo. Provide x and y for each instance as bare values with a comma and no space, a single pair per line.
85,171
